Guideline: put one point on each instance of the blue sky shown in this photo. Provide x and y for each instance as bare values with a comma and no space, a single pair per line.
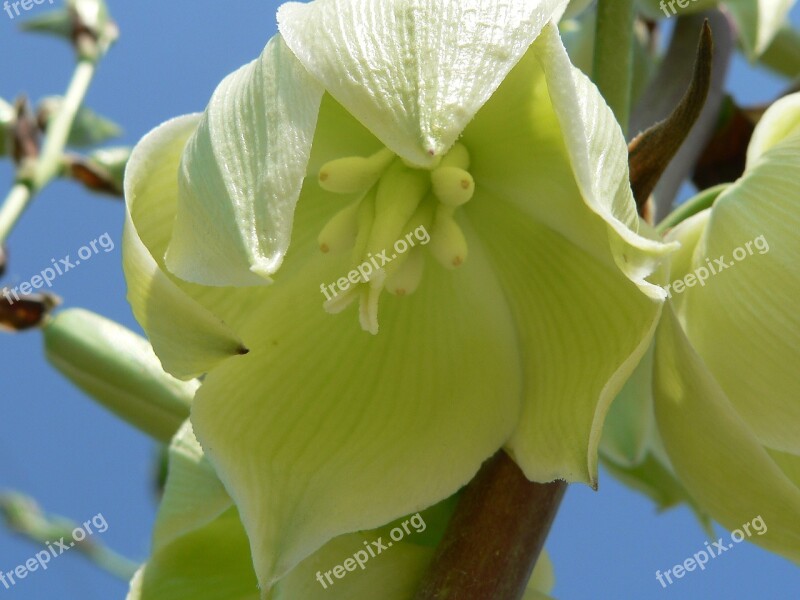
62,449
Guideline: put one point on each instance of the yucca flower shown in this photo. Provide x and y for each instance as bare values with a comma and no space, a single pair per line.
522,299
726,380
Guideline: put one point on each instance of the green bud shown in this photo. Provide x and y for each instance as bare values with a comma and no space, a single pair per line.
118,368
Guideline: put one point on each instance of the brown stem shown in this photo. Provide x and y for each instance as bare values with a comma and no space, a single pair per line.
495,536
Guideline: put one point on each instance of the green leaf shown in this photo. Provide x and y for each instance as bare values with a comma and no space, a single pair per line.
118,369
88,129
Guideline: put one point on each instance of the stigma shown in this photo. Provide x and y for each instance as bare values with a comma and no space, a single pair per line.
401,213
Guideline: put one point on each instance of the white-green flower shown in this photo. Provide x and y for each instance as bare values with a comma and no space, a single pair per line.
726,376
361,122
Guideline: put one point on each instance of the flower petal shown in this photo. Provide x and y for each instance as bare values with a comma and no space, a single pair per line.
414,73
393,575
318,427
759,22
629,423
187,338
242,173
548,143
194,496
208,564
713,450
599,157
743,321
583,328
781,121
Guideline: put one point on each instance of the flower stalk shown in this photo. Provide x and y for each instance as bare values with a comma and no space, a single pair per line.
495,536
48,165
613,56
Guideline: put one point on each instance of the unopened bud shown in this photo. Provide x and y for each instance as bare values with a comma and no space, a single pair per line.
119,369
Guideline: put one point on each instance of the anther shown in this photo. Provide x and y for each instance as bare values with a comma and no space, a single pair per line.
453,186
341,231
355,173
400,192
405,280
448,244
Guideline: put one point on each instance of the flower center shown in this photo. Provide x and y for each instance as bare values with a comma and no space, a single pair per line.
401,211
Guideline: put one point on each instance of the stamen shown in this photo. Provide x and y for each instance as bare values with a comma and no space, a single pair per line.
448,244
368,307
458,157
400,192
354,174
453,186
405,280
341,231
397,199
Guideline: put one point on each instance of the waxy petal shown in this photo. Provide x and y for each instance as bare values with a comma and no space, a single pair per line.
583,328
714,451
743,320
414,73
394,574
599,158
781,121
307,429
193,496
187,337
759,22
210,563
242,173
